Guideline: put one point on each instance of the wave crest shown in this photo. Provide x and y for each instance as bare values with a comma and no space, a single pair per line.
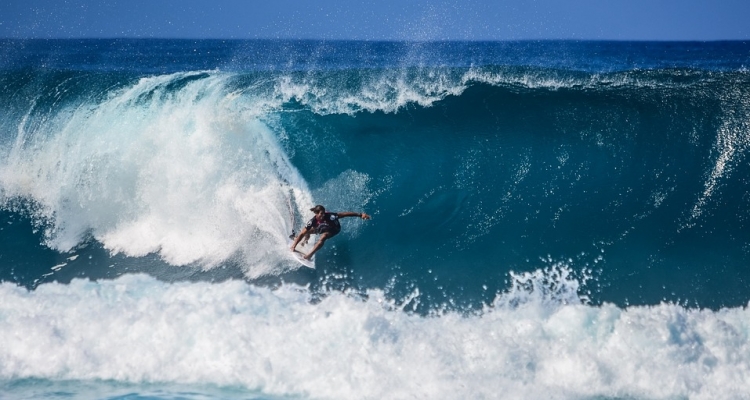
172,165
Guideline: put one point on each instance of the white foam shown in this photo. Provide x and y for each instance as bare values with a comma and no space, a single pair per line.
535,341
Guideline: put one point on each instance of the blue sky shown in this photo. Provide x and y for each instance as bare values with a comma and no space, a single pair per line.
379,19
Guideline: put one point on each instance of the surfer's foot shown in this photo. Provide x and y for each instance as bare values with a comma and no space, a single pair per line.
307,257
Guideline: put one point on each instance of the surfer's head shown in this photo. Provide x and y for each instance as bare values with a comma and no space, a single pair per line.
318,209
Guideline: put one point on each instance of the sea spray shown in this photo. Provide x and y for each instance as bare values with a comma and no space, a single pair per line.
177,146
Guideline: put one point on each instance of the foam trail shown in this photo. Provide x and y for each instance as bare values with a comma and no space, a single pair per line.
173,165
535,341
732,142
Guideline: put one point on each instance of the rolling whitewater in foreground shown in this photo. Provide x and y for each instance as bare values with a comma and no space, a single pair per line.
550,220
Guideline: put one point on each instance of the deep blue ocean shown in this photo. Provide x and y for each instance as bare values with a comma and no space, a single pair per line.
550,220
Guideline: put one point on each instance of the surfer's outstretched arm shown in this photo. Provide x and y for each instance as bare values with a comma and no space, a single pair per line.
352,214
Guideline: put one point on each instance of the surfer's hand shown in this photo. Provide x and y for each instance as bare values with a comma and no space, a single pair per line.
364,216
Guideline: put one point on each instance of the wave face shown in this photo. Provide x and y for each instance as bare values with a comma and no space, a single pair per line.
589,196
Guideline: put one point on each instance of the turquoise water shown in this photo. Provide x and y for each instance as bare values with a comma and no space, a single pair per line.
550,219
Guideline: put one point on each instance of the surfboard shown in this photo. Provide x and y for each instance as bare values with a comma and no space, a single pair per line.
300,254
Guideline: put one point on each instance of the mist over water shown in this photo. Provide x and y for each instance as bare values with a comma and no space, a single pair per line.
554,219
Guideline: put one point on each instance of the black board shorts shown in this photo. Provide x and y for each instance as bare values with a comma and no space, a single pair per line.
331,230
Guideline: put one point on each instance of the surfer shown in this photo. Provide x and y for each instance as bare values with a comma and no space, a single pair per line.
325,224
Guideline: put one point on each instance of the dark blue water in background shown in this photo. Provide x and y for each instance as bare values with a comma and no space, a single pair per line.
621,164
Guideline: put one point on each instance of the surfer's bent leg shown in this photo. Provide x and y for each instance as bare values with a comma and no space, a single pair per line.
319,244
